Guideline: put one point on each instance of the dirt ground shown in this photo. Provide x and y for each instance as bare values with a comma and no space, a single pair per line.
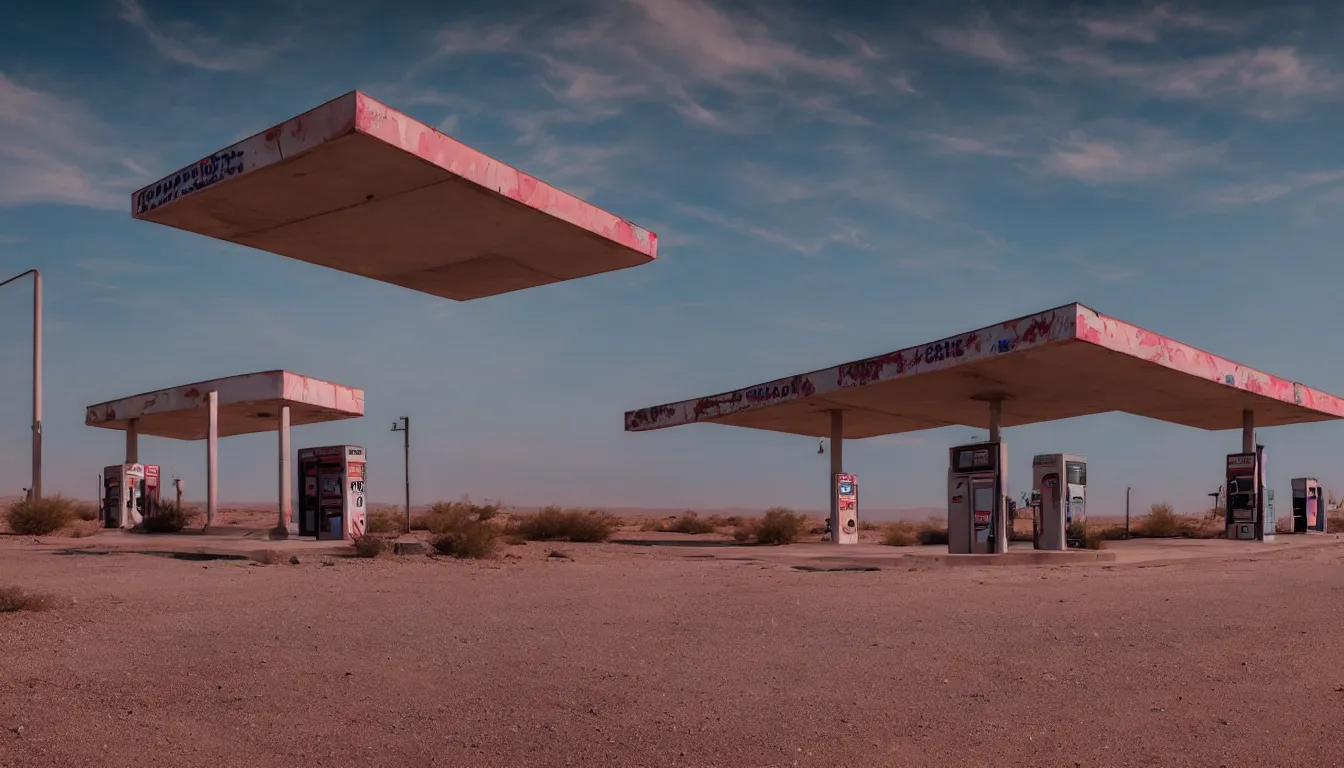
640,656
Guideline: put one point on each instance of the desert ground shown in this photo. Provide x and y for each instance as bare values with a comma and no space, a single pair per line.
681,651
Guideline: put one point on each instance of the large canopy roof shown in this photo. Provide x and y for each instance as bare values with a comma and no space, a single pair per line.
247,403
1065,362
357,186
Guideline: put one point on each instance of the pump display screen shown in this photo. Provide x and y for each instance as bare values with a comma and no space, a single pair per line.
976,458
1077,473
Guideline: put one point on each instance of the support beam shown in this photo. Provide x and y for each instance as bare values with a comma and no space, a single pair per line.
286,481
1248,431
133,442
995,419
211,457
837,467
37,386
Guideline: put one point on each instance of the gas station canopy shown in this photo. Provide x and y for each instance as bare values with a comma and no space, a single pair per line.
1065,362
247,403
359,187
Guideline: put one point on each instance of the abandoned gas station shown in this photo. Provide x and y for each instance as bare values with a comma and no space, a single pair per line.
1065,362
356,186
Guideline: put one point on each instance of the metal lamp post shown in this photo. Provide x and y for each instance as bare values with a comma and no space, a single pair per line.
36,487
405,429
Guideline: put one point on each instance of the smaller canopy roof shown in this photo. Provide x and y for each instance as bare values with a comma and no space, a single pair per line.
247,403
1064,362
357,186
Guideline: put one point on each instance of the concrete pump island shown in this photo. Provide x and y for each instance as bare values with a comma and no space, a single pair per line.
1062,363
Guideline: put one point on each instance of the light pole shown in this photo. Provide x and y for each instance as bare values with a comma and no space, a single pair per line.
405,429
36,489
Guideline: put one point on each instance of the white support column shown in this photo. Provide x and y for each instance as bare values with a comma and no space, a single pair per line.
286,482
995,417
837,467
1248,431
212,458
133,442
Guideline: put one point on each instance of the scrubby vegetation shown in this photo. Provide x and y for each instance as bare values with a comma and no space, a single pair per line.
40,517
445,516
933,531
691,523
169,518
14,599
902,534
555,523
779,525
370,545
387,521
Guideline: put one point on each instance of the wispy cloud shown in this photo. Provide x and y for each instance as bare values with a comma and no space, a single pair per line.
680,53
52,150
981,39
187,45
1274,188
1118,152
805,244
1147,25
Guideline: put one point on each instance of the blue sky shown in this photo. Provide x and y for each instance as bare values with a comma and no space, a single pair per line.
826,185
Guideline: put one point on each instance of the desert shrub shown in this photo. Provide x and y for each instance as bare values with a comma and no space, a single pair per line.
691,523
446,516
902,534
869,525
268,557
652,525
779,525
169,518
39,517
1160,522
85,510
1107,533
387,521
369,545
1335,523
1092,540
553,523
1076,531
472,539
13,599
743,533
79,529
932,532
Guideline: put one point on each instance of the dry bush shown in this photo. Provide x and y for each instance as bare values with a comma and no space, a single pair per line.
268,557
169,518
779,525
14,599
902,534
38,518
553,523
743,533
472,539
85,510
1106,533
369,545
80,529
691,523
869,525
652,525
1092,540
1160,522
1335,523
932,532
387,521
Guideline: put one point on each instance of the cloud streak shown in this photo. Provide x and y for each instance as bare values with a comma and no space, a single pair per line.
191,47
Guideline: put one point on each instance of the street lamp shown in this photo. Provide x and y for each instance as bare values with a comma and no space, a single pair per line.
36,489
405,429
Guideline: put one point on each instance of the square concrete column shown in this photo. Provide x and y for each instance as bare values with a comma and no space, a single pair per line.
1248,431
133,442
995,418
211,457
837,467
286,482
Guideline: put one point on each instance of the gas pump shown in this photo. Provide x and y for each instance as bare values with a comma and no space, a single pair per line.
331,492
977,488
1060,480
1250,513
125,503
847,507
1308,507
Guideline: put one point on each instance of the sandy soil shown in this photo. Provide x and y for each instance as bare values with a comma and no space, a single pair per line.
639,656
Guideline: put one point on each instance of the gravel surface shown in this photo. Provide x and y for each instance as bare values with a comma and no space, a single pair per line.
623,656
